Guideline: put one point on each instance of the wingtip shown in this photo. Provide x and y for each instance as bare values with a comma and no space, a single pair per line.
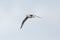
20,28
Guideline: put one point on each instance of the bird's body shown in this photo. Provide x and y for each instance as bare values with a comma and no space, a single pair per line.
27,16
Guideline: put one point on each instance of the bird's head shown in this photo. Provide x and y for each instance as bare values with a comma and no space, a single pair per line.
32,16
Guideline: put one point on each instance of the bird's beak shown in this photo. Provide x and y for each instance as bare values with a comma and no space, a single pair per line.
37,16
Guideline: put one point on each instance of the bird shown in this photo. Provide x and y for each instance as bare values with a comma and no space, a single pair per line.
27,17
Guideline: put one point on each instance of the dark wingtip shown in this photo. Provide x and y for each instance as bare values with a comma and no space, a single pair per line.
20,27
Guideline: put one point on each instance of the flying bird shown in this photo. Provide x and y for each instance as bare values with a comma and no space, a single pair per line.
27,17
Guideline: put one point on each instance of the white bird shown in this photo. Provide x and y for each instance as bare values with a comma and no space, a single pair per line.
28,16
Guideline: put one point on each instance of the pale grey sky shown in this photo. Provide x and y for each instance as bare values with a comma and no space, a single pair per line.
12,13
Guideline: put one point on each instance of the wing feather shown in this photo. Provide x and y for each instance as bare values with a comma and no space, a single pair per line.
23,22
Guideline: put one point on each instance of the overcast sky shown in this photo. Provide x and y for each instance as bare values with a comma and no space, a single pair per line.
12,13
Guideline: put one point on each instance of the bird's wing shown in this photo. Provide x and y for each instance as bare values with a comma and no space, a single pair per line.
23,22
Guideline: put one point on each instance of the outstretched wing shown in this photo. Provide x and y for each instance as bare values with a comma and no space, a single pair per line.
23,22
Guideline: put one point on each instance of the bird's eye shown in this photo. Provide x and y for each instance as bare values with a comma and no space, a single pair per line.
31,15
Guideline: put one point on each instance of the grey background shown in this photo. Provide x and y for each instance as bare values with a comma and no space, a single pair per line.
12,12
